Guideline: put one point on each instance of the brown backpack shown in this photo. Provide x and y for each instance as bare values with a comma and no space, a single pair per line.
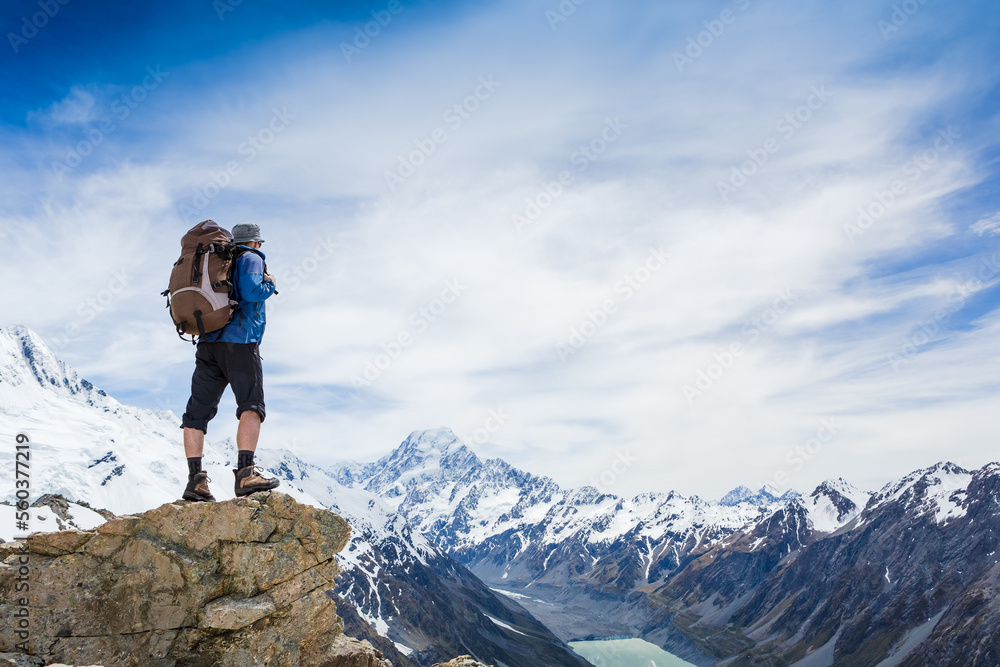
201,293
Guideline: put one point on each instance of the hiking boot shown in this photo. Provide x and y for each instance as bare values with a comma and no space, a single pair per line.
197,488
251,480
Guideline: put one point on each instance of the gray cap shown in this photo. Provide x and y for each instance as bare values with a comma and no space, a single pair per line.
246,232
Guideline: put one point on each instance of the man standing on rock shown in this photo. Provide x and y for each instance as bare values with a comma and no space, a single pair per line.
231,356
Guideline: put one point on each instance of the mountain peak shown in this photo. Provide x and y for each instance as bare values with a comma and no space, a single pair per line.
430,442
21,343
940,491
25,356
736,496
943,473
833,503
20,331
768,494
435,452
839,485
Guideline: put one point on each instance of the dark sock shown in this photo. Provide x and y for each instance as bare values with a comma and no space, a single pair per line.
194,465
245,458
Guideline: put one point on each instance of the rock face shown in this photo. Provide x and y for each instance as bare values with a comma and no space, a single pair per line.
236,583
462,661
912,580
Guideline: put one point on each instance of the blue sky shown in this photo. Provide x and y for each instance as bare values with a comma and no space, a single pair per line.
743,242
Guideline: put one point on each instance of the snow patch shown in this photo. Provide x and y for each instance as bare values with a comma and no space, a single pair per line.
504,625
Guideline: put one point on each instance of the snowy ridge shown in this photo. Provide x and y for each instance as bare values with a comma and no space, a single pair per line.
89,445
429,497
940,491
447,491
833,504
803,519
85,445
768,495
470,506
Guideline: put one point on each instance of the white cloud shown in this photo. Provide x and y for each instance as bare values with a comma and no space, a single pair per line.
77,108
495,346
990,225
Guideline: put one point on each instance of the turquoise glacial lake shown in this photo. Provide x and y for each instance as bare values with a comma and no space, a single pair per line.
626,653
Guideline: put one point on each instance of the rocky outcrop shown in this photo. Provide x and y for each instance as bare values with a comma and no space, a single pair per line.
235,583
462,661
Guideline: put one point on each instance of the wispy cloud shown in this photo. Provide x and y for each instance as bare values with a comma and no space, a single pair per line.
990,225
77,108
320,183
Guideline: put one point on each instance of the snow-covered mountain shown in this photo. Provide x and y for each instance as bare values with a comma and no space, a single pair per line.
767,495
912,579
88,447
476,508
909,573
123,457
562,553
463,502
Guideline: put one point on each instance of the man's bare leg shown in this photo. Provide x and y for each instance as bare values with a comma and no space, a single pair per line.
194,442
248,432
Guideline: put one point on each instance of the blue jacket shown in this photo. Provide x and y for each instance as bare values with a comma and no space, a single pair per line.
247,325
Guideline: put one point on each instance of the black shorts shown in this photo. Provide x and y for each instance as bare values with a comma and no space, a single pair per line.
216,366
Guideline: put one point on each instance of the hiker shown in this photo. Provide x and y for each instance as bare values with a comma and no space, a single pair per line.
231,356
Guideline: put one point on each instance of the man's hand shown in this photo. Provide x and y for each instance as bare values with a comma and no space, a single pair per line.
269,278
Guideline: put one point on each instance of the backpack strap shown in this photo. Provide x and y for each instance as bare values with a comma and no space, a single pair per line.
201,324
196,264
238,252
